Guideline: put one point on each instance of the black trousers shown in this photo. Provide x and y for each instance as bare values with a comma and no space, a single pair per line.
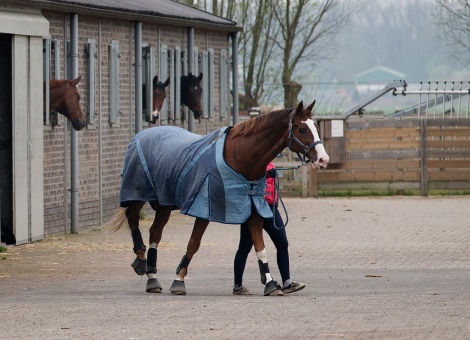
278,236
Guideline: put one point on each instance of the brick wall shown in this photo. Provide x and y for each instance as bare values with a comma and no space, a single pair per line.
101,145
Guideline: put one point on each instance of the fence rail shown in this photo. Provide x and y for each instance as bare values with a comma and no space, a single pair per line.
393,155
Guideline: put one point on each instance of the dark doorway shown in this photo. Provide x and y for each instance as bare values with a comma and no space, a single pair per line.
6,158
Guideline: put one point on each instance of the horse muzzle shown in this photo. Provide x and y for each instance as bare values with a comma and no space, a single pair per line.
321,159
79,125
155,115
197,114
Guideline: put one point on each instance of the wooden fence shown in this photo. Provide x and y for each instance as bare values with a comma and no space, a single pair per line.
397,155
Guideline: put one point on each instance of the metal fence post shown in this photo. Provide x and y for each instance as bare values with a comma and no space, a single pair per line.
424,164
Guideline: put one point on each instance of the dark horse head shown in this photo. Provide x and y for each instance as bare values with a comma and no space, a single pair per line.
65,99
159,95
191,93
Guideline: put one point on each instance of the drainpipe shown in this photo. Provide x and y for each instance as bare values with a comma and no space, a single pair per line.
138,76
234,37
73,133
191,70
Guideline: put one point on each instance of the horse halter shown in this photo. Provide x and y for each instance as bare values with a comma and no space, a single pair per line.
292,137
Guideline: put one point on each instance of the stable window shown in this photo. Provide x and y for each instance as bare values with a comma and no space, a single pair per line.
175,94
148,72
114,82
163,75
223,85
91,80
207,65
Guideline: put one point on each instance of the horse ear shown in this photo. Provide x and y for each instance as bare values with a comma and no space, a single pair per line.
310,107
300,107
76,80
155,81
167,82
200,77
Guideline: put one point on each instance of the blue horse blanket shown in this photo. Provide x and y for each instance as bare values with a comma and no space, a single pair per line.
187,171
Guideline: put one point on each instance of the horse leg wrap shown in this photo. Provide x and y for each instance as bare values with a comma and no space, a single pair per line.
263,270
152,261
183,264
137,239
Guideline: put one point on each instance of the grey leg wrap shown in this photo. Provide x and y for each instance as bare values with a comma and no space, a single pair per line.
183,264
137,239
152,260
263,270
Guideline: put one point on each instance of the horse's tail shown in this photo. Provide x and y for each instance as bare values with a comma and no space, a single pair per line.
118,220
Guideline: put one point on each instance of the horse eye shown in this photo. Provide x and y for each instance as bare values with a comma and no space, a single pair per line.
302,130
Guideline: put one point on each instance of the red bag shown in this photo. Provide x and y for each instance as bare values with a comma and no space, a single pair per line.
270,195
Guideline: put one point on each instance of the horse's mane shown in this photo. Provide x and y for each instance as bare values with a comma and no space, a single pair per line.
252,126
55,83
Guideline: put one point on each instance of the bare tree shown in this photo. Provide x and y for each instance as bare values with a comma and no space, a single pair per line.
307,28
453,17
255,48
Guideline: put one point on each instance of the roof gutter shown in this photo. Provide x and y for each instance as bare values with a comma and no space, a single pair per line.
128,15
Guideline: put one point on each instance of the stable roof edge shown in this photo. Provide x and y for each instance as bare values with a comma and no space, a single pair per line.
130,15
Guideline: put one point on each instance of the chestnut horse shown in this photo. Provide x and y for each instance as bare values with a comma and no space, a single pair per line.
158,97
191,95
65,99
247,149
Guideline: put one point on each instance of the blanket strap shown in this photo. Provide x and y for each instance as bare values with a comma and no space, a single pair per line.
193,162
144,163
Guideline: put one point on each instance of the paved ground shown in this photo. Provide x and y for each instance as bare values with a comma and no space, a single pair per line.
375,268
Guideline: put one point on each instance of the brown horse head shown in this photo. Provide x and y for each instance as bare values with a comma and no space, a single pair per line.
191,93
159,95
305,137
65,99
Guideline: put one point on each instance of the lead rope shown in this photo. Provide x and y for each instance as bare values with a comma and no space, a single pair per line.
277,194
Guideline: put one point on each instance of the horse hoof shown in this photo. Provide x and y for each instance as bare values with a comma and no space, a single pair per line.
153,286
272,288
178,288
140,266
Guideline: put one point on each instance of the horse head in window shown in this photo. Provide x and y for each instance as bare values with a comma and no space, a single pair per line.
65,99
159,95
191,93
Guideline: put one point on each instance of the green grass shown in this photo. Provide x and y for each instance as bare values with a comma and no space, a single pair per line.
361,193
3,249
372,193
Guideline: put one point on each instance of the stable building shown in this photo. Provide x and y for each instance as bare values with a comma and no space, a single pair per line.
57,180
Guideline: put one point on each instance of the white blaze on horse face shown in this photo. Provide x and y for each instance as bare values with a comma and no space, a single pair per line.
155,113
322,156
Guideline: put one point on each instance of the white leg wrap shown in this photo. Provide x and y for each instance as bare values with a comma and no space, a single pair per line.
263,257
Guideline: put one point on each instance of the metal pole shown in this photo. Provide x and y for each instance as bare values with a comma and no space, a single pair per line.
234,37
444,102
427,102
460,100
452,101
191,70
419,106
73,133
138,76
468,101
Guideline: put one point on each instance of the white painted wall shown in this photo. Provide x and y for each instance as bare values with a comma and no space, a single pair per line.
28,28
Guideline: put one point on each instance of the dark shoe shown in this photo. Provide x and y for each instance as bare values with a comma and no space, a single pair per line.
241,291
293,287
272,288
